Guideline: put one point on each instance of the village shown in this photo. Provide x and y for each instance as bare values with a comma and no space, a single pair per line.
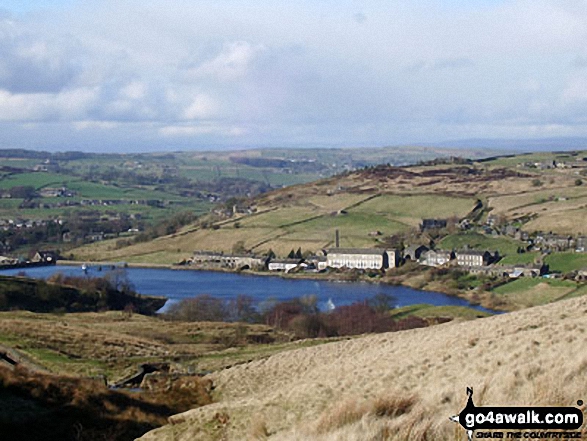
474,261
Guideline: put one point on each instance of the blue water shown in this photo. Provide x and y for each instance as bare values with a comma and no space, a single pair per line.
177,285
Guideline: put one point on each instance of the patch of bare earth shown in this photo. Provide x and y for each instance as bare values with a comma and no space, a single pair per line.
400,385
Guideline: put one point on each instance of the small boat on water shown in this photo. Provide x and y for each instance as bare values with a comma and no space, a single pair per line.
85,268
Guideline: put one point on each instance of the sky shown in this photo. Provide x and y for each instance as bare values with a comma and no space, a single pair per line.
112,76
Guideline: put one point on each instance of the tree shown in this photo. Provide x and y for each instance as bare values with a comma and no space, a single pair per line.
382,302
291,254
239,247
242,309
203,308
22,192
298,254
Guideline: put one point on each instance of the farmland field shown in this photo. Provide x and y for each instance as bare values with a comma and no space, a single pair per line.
34,179
566,262
477,241
526,292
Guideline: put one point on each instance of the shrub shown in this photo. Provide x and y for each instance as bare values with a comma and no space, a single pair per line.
203,308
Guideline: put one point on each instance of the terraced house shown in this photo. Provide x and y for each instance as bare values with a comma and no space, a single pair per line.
473,258
232,261
361,258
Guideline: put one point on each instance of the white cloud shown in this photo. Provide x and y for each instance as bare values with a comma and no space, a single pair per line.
205,129
262,73
89,125
134,90
230,64
22,107
202,107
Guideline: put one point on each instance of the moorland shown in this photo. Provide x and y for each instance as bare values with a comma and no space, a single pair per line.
246,380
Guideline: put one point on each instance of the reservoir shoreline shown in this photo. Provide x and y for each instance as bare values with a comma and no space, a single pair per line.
333,277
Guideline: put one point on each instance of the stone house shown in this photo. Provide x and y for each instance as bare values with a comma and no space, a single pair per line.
436,257
554,242
432,224
473,258
212,259
414,252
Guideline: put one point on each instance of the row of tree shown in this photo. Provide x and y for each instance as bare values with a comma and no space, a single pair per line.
300,316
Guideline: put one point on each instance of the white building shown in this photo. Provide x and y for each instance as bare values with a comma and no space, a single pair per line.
435,257
361,258
284,265
473,258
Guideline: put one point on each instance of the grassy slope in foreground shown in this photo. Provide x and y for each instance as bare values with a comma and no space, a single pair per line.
398,386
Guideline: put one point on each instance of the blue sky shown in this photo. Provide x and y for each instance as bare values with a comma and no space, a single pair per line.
144,75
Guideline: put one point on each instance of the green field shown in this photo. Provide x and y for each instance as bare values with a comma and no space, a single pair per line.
34,179
525,292
520,259
566,262
355,216
430,311
477,241
417,207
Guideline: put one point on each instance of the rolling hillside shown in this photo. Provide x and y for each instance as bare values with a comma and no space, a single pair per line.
381,199
398,386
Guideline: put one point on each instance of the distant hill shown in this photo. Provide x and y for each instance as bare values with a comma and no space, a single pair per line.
370,204
518,145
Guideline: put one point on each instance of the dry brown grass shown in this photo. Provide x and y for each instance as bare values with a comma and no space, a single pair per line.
113,343
351,411
45,407
258,429
530,357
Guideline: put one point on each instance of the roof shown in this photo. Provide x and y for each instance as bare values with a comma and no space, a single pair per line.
221,254
46,254
470,253
434,222
414,248
208,253
374,251
437,252
286,261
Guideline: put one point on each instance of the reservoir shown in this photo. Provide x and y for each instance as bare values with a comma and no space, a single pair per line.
178,284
